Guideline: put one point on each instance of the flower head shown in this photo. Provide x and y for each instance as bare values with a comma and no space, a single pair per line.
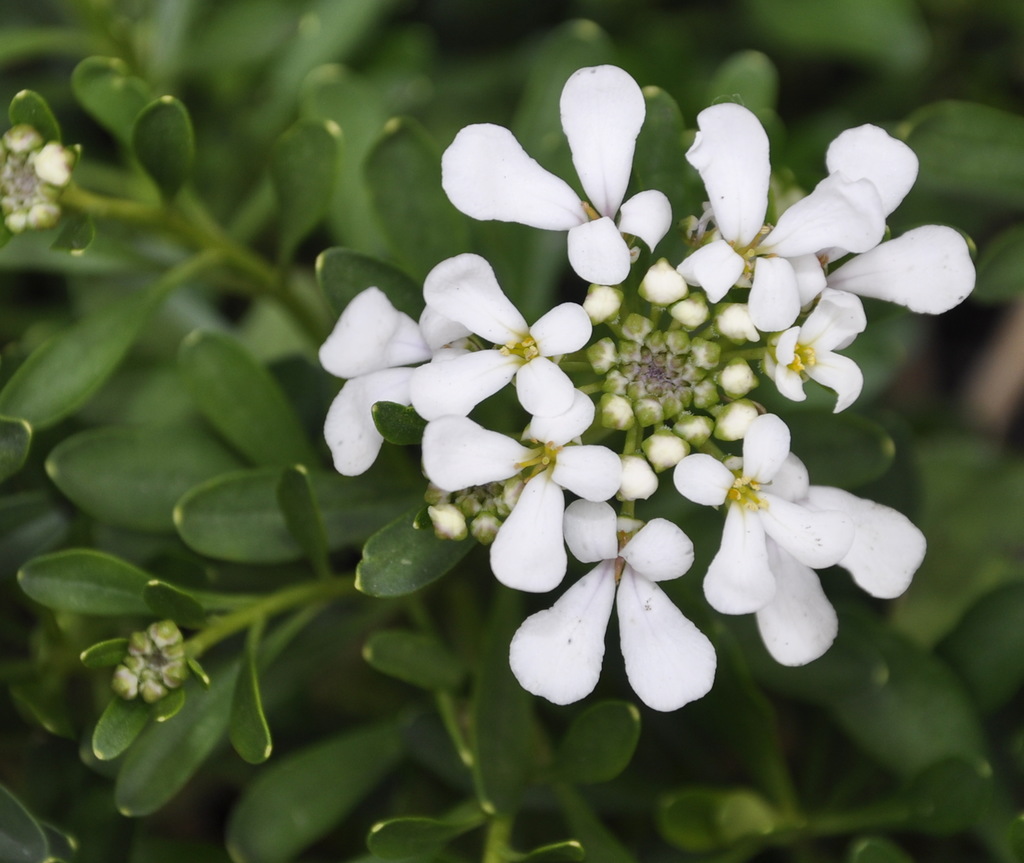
32,175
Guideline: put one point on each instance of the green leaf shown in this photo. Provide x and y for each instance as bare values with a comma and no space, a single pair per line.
747,77
169,706
968,149
501,715
599,744
876,849
107,91
420,224
304,169
398,424
569,850
302,516
707,819
950,795
418,659
118,727
85,581
15,440
105,654
62,373
1016,832
301,796
30,524
76,234
30,108
399,838
173,603
133,476
343,273
400,559
22,839
599,842
164,144
237,516
248,730
817,436
242,400
1001,268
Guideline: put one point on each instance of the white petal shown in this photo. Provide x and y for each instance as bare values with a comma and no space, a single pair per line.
349,429
765,447
359,340
928,270
456,385
703,479
439,331
789,383
407,345
715,267
464,289
774,297
817,538
602,111
840,374
488,175
659,551
799,624
590,531
562,428
785,347
528,553
887,547
739,580
543,388
835,322
557,653
597,252
669,662
730,152
810,276
647,215
839,212
562,330
792,480
872,153
459,453
590,471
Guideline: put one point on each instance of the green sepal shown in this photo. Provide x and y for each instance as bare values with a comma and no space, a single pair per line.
76,234
105,654
248,729
413,836
169,706
198,672
344,273
876,849
22,838
599,743
85,581
699,820
303,517
398,424
30,108
400,559
119,725
416,658
164,143
172,603
15,442
107,91
567,851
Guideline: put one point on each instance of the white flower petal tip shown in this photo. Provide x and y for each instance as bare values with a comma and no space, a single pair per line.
349,429
739,579
647,215
464,289
715,267
868,152
598,253
659,551
458,453
703,479
589,528
528,553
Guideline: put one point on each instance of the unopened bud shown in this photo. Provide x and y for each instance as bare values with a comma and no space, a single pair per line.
639,481
733,322
664,449
602,355
694,429
602,303
663,285
448,522
616,412
737,379
734,419
691,312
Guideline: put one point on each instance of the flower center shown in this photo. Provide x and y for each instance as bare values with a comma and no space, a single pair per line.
541,459
803,358
527,349
744,492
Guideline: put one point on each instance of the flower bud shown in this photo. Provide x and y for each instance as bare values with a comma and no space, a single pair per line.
448,522
636,327
648,411
485,527
691,312
125,684
695,430
663,285
733,322
664,449
602,303
616,412
705,354
151,690
602,355
639,481
737,379
705,395
734,419
164,633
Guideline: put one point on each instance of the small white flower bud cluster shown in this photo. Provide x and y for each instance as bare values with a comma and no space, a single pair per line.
155,663
32,175
479,510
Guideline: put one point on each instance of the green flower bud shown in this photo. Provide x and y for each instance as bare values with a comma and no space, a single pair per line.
664,449
691,312
694,429
737,379
124,683
705,354
705,395
602,303
648,411
485,527
615,412
602,355
448,522
636,327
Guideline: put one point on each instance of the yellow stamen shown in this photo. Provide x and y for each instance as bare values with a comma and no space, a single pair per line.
744,492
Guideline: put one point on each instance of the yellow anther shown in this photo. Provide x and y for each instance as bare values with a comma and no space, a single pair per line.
803,358
592,214
526,349
744,491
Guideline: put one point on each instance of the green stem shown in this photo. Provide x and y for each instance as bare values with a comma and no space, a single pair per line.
499,831
300,594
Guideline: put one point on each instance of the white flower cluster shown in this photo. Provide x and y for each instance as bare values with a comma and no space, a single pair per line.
683,347
32,175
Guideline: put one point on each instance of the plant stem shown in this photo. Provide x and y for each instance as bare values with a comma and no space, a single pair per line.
499,829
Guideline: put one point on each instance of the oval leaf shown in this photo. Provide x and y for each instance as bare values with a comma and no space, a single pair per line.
747,77
112,96
398,424
302,516
22,839
30,108
164,143
876,850
343,273
15,440
105,654
599,744
167,601
570,851
400,838
76,234
867,448
415,658
950,795
85,582
118,727
707,819
169,706
248,729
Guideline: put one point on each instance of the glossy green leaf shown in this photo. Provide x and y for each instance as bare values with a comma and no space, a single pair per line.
22,839
398,424
400,838
15,440
302,516
85,581
969,149
133,476
299,797
62,846
248,730
599,743
418,659
119,725
747,77
876,849
31,523
169,706
198,672
164,143
110,94
400,559
1001,268
818,435
62,373
569,851
173,603
343,273
501,715
237,516
105,654
950,795
707,819
30,108
242,400
76,234
599,843
304,169
1016,834
420,224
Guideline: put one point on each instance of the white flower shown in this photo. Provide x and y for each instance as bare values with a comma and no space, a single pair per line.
369,345
740,578
487,175
528,552
558,653
465,291
808,351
